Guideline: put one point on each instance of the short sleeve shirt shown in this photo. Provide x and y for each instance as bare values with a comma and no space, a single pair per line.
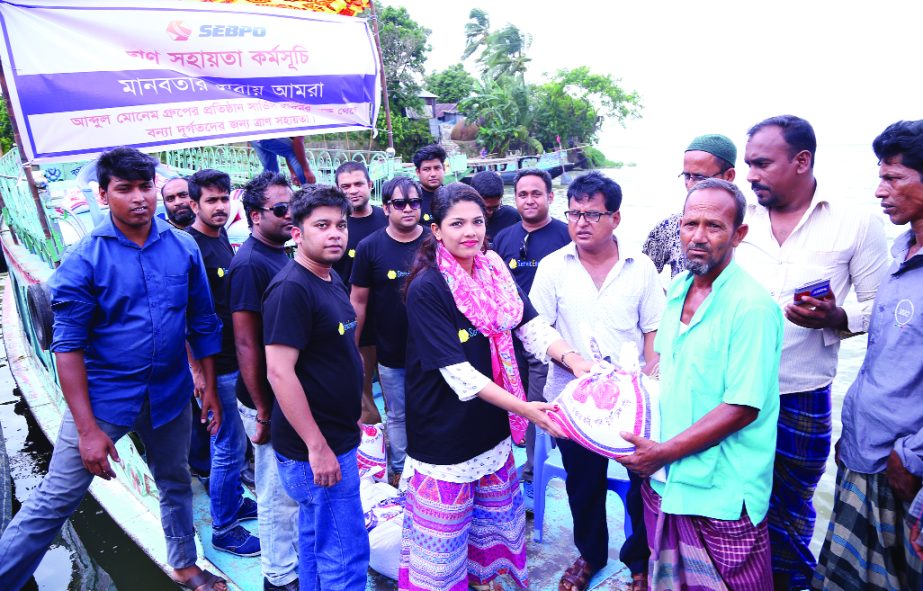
503,218
382,265
307,313
251,270
729,354
522,251
217,255
441,429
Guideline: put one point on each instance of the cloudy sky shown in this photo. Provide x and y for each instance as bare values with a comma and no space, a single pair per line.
849,67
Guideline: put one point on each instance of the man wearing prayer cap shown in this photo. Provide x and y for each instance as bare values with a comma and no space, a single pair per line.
708,156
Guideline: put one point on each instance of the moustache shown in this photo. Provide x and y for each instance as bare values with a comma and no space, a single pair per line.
699,246
758,187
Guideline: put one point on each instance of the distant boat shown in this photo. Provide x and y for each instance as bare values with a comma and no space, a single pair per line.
554,163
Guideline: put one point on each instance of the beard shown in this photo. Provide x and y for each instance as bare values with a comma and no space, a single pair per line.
181,216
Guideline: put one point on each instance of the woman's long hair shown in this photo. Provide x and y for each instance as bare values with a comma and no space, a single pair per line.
445,197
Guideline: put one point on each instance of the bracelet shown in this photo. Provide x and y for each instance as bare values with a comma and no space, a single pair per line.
263,421
564,355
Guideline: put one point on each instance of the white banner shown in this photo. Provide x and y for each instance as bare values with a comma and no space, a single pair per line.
95,74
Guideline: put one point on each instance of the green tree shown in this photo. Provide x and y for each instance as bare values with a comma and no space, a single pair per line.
6,129
576,103
501,52
404,47
452,84
502,109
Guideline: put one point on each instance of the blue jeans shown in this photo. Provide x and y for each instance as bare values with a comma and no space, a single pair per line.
228,447
392,388
277,512
333,544
39,520
268,151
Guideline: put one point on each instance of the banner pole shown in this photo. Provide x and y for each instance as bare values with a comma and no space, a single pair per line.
384,79
26,165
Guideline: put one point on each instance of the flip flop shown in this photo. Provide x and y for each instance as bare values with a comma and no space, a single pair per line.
202,581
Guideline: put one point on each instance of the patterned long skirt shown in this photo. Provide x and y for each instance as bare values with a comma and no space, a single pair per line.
460,533
867,547
802,448
693,553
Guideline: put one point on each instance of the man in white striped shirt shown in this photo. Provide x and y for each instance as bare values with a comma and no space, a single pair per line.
797,236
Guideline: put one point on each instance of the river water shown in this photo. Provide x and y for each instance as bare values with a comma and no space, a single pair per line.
651,192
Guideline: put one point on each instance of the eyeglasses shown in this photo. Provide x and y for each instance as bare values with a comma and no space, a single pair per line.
591,216
694,177
278,209
524,248
403,203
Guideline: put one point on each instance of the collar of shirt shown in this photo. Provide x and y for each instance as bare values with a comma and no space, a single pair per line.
899,251
626,255
108,229
680,287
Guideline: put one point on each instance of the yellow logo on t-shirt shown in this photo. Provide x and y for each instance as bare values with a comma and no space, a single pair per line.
220,272
513,263
341,329
463,335
352,253
392,274
426,217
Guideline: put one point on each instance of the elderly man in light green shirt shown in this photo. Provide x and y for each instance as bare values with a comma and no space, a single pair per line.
719,342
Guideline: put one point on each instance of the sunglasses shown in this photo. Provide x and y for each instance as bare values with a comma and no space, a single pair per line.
403,203
279,209
524,248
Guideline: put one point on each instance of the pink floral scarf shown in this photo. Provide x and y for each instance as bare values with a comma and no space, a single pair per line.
490,300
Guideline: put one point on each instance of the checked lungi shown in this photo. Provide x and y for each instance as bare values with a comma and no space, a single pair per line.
459,532
802,448
702,554
867,547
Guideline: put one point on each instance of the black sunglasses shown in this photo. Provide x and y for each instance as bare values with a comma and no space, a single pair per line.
524,248
402,203
279,209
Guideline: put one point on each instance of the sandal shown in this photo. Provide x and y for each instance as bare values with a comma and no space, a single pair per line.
202,581
577,577
638,582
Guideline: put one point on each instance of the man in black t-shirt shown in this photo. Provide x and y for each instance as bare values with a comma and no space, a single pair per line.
490,186
523,246
266,202
210,190
315,370
353,179
429,162
383,261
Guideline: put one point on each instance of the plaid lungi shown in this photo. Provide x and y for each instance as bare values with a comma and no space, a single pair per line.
456,533
867,547
802,448
700,553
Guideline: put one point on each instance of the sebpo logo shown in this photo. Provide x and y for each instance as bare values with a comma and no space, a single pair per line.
178,32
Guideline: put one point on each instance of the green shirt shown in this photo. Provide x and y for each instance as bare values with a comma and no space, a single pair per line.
729,353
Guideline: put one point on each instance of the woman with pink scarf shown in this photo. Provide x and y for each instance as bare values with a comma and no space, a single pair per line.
465,522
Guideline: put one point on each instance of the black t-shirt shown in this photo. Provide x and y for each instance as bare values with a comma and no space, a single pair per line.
441,429
303,311
217,254
382,263
503,218
426,208
251,270
358,228
542,242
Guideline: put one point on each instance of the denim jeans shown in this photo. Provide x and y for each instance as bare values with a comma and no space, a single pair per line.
392,388
277,513
268,151
29,535
228,447
332,541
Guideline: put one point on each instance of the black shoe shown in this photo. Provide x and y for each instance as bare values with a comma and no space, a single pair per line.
267,586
